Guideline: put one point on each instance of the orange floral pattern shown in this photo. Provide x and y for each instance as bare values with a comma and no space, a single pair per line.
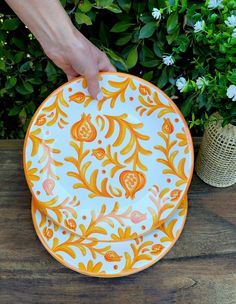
94,258
174,169
47,155
150,105
135,137
183,141
55,111
107,155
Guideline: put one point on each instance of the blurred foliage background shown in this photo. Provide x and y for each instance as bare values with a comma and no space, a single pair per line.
126,30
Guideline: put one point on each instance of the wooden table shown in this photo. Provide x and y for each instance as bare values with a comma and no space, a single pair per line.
201,267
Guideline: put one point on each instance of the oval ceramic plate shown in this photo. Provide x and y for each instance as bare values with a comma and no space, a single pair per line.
106,259
109,169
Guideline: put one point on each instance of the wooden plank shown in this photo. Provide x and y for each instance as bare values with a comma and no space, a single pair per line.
200,268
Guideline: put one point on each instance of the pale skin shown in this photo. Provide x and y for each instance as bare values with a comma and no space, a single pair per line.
62,42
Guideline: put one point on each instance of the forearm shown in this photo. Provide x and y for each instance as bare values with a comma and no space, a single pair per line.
46,19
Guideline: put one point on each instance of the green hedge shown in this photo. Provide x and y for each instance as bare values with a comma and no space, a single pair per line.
132,38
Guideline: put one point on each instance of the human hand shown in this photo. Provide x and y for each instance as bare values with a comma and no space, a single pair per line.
62,42
80,57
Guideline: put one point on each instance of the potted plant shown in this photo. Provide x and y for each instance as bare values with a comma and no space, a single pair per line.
210,90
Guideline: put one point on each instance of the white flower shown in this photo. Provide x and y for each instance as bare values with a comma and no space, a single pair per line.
231,21
231,92
181,84
201,82
215,4
199,26
234,33
168,60
156,13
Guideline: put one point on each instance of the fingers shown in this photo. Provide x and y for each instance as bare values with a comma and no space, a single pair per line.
104,64
93,85
70,73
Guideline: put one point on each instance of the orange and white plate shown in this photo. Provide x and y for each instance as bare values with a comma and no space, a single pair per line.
109,169
108,259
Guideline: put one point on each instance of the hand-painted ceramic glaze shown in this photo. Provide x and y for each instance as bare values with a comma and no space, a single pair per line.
109,169
108,259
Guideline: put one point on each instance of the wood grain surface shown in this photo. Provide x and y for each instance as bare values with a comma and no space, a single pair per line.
200,268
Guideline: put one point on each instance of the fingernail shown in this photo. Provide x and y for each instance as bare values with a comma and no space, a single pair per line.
99,96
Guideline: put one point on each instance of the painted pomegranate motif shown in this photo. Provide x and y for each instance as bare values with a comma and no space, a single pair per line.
137,217
48,186
71,224
84,130
78,97
157,249
41,120
132,182
144,90
99,153
112,256
175,194
167,126
48,233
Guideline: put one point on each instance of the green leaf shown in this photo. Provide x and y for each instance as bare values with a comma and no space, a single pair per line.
172,22
187,105
139,6
24,88
147,30
26,66
150,63
82,18
103,3
2,65
157,50
124,38
104,34
148,76
85,6
172,37
116,58
20,43
163,79
19,56
125,5
36,81
121,26
146,18
22,113
184,5
14,111
51,71
132,58
10,24
114,8
30,107
11,82
202,99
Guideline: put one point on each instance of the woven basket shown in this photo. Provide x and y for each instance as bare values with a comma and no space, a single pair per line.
216,160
